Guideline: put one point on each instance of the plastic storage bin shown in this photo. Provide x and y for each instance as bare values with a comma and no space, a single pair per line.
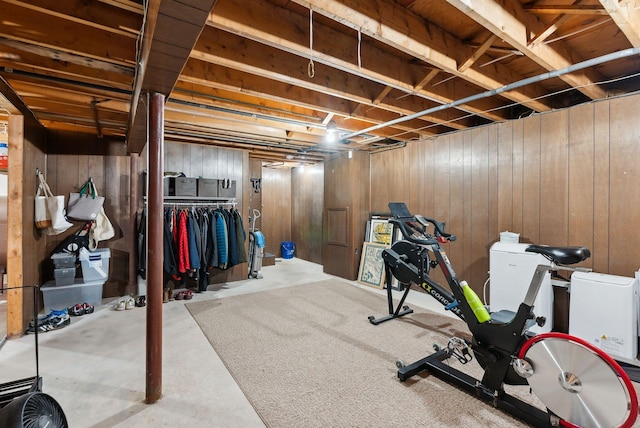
288,249
95,264
63,260
64,276
61,297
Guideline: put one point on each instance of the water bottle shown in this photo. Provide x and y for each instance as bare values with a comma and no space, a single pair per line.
475,303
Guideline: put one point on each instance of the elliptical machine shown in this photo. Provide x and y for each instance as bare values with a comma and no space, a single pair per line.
256,247
579,384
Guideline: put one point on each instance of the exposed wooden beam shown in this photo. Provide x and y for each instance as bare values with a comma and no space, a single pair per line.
90,14
12,103
478,53
553,9
222,48
426,79
513,24
171,30
382,95
427,42
269,24
81,40
626,16
551,28
59,55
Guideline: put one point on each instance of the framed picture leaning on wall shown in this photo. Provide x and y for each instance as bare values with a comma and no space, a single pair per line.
380,231
371,270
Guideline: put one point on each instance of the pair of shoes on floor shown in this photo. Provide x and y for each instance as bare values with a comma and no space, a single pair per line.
53,314
184,295
167,295
141,301
80,309
54,320
126,302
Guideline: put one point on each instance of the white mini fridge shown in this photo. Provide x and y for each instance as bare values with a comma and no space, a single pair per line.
510,273
604,312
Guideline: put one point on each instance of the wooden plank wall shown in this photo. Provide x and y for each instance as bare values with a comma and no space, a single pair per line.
346,211
564,178
79,156
276,208
307,190
72,159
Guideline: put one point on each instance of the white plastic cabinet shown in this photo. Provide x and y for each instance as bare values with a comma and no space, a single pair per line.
510,272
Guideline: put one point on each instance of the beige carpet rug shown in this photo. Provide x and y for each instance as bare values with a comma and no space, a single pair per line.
306,356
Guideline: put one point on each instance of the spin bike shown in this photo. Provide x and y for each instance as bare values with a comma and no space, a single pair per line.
579,384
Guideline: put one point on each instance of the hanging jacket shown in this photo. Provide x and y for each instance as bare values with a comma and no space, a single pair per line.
169,261
221,241
193,233
183,244
241,237
142,244
233,241
214,256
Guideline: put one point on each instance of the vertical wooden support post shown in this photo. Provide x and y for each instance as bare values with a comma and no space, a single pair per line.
15,227
155,248
133,230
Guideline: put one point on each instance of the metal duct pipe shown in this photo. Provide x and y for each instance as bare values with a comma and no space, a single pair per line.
555,73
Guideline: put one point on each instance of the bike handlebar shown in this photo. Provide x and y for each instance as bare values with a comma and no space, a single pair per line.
424,238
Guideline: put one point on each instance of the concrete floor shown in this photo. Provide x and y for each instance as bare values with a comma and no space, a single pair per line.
95,367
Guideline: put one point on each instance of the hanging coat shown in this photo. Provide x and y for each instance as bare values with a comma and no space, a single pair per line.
241,237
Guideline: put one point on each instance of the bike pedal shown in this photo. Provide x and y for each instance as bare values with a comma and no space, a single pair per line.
460,350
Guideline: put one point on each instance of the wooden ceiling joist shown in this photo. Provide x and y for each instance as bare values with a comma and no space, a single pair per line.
626,16
261,20
512,23
428,42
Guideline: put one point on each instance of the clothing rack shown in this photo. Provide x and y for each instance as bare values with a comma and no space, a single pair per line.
217,204
195,201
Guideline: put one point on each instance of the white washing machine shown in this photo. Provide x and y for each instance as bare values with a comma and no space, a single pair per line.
510,271
604,312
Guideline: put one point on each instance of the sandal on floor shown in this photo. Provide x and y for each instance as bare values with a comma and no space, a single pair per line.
141,301
88,308
188,295
180,295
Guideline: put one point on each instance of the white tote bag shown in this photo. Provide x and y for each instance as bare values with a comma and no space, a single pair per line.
54,211
42,217
101,227
101,230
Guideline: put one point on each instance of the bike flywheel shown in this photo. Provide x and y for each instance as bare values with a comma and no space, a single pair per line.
578,382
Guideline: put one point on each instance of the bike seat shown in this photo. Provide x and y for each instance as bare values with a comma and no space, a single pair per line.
561,255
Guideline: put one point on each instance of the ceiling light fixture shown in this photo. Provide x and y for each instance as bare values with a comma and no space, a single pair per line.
332,132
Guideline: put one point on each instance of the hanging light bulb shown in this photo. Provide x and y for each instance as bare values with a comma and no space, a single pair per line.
332,132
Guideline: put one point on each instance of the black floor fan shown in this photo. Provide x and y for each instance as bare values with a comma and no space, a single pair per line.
33,410
23,404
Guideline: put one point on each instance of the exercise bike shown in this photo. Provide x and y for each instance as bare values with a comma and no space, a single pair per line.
579,384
